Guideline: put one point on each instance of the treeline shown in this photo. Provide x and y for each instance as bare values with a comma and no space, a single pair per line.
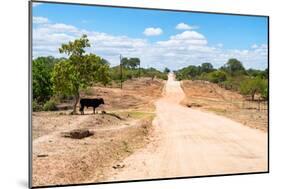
54,79
130,73
231,76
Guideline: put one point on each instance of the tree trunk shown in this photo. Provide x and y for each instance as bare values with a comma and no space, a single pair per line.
253,95
77,97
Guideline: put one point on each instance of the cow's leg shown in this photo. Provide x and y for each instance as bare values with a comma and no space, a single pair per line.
82,110
94,110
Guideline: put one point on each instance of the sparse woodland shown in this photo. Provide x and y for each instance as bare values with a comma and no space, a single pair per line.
251,83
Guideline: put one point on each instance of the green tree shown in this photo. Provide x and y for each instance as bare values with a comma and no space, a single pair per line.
79,71
253,86
125,62
153,73
134,63
266,73
234,67
102,72
206,67
217,76
130,63
41,78
233,82
258,73
167,70
190,72
264,92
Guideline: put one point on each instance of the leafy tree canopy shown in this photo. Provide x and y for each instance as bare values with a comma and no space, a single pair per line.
41,78
167,70
207,67
131,63
234,66
218,76
252,86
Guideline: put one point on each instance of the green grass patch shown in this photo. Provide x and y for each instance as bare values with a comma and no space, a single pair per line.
141,115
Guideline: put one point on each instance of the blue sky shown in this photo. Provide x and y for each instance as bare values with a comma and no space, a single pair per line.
175,39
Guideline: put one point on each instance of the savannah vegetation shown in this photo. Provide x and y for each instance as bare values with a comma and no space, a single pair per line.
232,75
55,79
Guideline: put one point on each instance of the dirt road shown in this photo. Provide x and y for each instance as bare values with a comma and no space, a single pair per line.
188,142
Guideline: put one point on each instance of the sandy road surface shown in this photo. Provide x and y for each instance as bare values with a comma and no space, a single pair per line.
188,142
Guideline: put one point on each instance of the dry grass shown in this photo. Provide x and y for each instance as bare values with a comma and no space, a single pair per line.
211,97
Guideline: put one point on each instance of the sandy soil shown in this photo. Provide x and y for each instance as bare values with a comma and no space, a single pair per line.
212,98
190,142
137,94
58,160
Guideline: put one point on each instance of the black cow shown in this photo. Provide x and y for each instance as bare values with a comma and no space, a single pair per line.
90,102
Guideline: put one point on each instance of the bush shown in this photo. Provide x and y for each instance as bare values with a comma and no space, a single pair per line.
231,76
167,70
50,106
189,72
128,73
217,76
36,107
129,76
253,86
233,83
152,72
41,78
264,92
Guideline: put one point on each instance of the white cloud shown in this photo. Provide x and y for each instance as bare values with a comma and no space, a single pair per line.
183,26
189,35
254,46
152,31
183,49
63,27
35,4
185,39
40,20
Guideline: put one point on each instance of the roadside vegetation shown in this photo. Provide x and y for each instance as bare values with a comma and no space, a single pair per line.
251,83
231,90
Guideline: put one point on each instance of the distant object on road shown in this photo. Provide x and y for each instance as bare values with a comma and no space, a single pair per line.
90,102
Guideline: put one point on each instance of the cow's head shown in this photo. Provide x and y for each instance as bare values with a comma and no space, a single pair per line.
101,101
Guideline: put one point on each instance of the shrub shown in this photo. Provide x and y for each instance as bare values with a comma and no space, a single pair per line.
252,86
41,78
128,73
167,70
217,76
50,106
264,92
36,107
233,83
129,76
